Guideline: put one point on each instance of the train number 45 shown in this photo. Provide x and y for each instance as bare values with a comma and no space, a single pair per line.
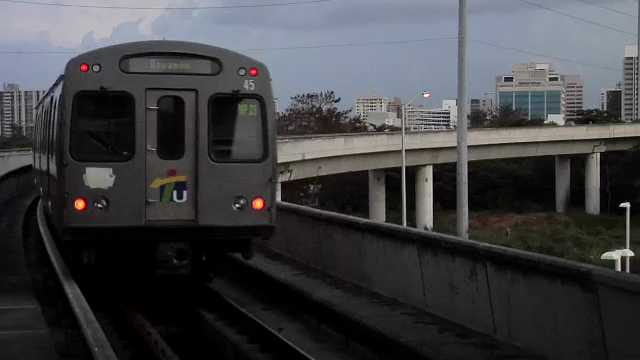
250,85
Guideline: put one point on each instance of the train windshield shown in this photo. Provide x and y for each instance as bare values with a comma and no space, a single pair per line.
102,126
236,129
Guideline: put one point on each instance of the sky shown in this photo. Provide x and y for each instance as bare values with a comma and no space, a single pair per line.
353,47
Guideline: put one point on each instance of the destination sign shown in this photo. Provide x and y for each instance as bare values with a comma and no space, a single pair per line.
170,64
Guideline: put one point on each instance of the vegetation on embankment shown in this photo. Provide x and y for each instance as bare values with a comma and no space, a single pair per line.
511,202
573,236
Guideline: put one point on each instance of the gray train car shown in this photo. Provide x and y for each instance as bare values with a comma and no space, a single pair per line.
159,141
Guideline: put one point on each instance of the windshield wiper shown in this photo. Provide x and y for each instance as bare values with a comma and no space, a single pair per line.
105,144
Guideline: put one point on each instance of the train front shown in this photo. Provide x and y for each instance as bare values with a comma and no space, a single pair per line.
168,141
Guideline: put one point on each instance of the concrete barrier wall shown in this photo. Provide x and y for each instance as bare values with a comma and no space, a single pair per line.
17,181
561,309
14,159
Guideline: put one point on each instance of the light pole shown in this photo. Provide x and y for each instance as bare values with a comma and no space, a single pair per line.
426,95
494,101
462,183
627,206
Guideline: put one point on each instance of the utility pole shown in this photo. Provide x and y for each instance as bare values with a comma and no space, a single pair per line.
462,186
404,173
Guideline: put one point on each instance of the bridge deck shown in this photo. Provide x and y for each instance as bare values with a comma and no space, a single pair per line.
424,334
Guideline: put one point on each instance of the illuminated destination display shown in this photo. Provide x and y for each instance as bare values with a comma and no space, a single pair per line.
170,64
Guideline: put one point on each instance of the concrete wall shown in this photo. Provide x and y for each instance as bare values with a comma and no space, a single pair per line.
559,308
11,160
17,181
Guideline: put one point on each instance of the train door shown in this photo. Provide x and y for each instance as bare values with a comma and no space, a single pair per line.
170,155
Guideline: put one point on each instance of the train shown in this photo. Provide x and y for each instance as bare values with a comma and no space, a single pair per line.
158,142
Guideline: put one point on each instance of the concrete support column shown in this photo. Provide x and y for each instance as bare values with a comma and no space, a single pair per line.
278,191
424,197
563,183
592,184
377,196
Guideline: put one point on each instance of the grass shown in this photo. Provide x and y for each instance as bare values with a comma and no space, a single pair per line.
574,236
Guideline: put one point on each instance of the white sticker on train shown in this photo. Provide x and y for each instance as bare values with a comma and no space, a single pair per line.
99,178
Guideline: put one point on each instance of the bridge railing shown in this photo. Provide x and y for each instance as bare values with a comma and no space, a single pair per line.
564,309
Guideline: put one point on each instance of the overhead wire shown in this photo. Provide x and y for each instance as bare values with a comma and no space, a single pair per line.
532,53
336,45
206,7
577,18
619,12
363,44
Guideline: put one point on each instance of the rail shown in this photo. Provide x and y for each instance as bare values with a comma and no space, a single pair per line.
94,336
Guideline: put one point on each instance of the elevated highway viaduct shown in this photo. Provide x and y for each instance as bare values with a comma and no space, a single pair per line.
304,157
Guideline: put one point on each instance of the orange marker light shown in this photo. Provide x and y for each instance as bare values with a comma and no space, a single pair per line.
80,204
258,203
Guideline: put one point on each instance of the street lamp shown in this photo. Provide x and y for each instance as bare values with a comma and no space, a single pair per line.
426,95
627,206
616,255
612,255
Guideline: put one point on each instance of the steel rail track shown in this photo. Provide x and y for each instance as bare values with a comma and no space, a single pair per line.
246,333
154,341
94,336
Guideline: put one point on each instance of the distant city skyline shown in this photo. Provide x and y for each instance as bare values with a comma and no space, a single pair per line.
17,109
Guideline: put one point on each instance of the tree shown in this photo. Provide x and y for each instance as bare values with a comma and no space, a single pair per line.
595,116
317,113
385,128
16,140
507,117
478,119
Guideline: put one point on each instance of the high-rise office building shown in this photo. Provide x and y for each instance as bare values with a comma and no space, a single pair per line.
421,119
475,106
539,92
367,104
395,106
17,110
573,96
486,105
611,102
630,84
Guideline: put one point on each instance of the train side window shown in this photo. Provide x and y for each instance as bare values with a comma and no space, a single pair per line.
54,107
102,126
170,130
236,128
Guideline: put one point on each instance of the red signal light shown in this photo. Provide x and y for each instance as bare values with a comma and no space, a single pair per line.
84,68
258,203
80,204
253,72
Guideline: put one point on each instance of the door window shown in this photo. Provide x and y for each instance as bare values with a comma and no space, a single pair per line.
171,125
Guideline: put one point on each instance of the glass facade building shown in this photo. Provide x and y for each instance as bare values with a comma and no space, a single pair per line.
540,93
535,105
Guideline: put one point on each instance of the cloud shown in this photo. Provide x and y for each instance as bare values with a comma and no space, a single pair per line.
345,14
390,70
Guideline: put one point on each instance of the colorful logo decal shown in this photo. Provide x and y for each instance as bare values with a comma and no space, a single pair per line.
173,188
